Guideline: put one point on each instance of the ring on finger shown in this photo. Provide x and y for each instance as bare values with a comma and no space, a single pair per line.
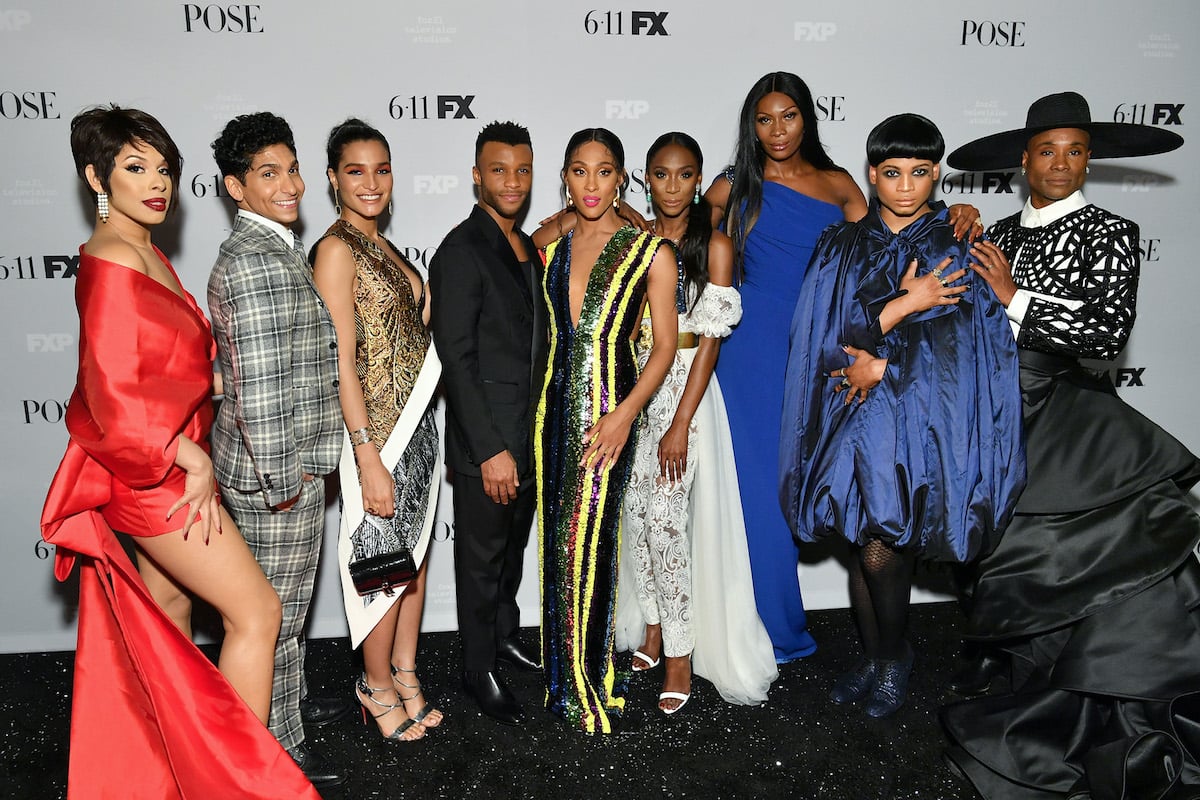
845,381
943,282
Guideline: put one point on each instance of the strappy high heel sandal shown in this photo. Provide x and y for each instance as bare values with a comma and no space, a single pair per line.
369,718
428,716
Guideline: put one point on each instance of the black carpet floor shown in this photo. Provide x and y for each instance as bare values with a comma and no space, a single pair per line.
798,745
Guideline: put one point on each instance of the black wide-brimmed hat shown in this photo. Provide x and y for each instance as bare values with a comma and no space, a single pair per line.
1063,110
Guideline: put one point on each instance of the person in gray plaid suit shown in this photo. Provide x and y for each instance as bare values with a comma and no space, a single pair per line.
278,430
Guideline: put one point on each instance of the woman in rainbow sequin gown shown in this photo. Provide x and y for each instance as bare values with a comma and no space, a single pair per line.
597,280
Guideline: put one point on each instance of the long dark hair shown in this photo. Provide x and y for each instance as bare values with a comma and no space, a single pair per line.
745,196
693,247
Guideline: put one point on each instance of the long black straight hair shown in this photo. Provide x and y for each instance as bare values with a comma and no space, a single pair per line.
745,196
693,247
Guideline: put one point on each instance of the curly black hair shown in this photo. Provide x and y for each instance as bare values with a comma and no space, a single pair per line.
246,135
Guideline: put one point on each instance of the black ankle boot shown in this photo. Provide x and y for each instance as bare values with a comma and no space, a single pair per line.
852,686
891,685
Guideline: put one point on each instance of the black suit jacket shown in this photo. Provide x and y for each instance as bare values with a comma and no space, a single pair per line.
489,324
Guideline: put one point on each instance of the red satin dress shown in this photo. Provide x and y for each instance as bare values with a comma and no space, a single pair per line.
151,717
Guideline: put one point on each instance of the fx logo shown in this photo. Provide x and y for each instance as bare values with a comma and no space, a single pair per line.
48,342
434,184
459,104
625,109
14,19
814,31
67,265
1130,376
1167,114
653,21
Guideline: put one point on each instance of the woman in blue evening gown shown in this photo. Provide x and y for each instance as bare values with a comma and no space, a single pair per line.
775,200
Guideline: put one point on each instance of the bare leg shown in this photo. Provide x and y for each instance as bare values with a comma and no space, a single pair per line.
678,678
651,646
223,573
377,670
404,650
169,595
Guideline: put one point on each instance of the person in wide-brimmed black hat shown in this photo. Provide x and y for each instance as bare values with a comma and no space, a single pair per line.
1092,592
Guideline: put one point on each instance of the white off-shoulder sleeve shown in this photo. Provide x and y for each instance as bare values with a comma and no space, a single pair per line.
716,312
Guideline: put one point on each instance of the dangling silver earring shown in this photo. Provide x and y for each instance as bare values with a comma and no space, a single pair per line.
102,205
337,202
389,206
649,201
696,198
1022,170
1087,170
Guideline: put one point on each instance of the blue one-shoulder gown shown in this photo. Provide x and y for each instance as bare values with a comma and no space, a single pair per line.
750,370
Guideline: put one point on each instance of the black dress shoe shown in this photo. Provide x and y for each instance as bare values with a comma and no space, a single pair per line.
316,712
975,678
319,770
493,697
512,652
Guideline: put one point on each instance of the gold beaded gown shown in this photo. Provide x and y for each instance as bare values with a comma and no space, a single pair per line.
398,370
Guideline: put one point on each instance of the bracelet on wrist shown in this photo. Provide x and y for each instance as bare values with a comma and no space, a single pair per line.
360,436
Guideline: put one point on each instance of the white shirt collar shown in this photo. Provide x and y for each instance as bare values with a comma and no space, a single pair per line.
285,233
1040,217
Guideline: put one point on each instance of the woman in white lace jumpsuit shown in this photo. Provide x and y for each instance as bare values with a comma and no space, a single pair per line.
684,551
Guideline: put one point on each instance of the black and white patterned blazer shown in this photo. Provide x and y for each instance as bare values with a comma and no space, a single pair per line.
1091,256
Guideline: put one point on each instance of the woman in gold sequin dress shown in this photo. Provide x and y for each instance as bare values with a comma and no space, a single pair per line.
388,370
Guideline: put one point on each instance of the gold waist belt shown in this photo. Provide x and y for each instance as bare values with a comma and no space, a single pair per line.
687,341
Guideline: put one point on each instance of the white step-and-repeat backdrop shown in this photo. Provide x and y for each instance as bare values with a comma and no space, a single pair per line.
430,73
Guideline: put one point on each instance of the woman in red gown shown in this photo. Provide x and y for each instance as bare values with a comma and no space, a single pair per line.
151,716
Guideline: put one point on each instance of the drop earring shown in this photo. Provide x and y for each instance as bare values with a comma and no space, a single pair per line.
696,197
649,201
102,206
389,206
1022,170
1087,170
617,202
570,201
337,202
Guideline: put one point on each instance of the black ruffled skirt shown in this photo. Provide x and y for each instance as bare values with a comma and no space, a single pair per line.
1094,590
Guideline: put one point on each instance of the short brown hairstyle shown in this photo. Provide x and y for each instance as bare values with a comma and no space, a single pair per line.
99,133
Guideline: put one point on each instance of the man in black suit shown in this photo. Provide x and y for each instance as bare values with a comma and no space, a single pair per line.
489,325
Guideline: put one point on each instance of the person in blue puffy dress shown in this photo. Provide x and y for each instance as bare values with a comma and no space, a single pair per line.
902,412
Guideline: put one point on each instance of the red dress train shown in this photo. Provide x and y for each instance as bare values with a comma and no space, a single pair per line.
151,716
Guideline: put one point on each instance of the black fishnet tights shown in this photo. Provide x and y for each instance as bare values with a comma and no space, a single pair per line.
880,581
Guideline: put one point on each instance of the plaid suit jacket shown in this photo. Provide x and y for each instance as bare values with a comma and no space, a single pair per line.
278,350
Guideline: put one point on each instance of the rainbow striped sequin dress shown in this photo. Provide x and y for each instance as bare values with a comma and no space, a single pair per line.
591,368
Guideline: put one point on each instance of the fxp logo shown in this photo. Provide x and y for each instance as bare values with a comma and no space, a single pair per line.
814,31
625,109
